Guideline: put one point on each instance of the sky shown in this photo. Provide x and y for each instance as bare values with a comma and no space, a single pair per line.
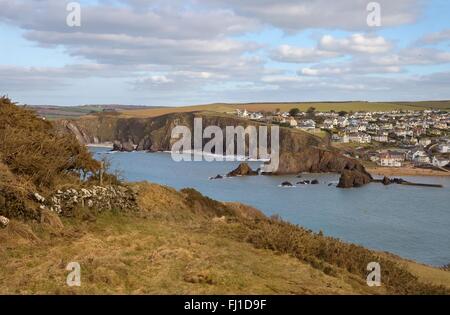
182,52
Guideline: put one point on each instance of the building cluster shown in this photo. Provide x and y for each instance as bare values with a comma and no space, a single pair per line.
389,139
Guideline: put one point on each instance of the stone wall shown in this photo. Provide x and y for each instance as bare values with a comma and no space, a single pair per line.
97,198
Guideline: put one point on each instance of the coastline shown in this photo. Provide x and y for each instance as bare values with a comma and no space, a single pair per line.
405,171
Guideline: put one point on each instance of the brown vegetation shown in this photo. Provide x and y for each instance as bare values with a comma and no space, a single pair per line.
35,158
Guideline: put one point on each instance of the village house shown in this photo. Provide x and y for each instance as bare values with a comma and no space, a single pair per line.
242,114
391,159
308,124
380,138
373,127
440,162
424,142
443,148
329,123
293,122
335,137
256,116
343,122
420,157
360,138
441,125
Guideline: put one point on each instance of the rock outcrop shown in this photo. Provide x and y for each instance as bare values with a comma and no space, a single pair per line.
242,170
126,146
354,177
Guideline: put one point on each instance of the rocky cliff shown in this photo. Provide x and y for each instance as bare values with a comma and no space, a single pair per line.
299,151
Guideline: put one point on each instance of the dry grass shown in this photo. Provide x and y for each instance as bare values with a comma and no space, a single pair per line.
184,243
123,255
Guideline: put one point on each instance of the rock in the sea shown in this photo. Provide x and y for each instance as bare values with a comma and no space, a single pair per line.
386,181
127,146
286,184
3,222
399,181
355,177
217,177
243,170
117,146
314,182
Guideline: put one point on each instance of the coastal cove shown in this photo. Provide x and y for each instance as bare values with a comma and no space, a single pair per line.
412,222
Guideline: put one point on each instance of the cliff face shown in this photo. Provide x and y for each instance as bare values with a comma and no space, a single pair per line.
299,151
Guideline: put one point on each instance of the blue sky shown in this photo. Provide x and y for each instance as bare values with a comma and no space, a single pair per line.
156,52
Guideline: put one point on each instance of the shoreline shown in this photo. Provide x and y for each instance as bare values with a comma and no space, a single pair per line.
405,171
108,145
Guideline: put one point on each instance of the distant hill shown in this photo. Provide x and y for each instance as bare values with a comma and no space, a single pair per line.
65,112
53,112
286,106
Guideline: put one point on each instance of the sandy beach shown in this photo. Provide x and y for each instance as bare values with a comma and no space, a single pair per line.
405,171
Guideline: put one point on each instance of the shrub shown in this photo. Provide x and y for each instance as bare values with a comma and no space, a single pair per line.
32,149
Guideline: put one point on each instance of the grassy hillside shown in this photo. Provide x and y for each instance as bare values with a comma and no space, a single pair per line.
184,243
53,112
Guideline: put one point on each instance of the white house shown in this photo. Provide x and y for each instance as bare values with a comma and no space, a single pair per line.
343,122
438,162
421,156
360,138
293,122
444,148
392,159
424,142
380,138
345,138
335,137
243,114
308,124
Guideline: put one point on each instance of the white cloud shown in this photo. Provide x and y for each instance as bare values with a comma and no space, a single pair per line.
356,43
295,15
287,53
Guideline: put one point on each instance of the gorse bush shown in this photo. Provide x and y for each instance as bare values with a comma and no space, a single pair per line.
32,148
331,255
34,157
